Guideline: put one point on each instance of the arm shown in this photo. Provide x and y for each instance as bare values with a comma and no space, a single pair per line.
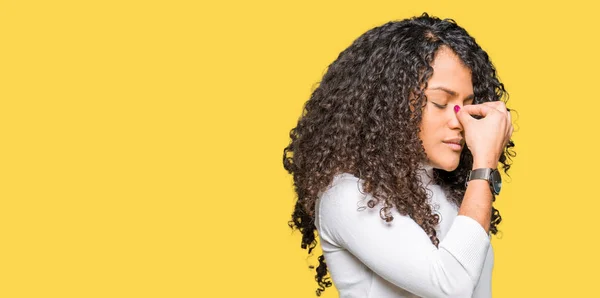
486,138
477,203
400,251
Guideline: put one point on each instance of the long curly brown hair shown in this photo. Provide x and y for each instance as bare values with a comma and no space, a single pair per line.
364,118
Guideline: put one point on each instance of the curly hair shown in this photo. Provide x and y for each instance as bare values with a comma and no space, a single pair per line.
363,119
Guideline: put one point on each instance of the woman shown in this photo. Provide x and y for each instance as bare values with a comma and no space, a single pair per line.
395,163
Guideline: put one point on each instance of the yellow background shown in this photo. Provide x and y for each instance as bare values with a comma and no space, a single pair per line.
141,142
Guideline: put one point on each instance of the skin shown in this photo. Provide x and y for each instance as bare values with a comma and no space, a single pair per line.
449,85
447,118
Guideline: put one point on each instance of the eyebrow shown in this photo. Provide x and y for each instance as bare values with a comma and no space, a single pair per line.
452,93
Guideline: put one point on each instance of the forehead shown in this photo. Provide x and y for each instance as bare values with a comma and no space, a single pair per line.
450,72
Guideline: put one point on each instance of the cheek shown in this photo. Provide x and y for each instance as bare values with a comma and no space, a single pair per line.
424,135
432,124
428,130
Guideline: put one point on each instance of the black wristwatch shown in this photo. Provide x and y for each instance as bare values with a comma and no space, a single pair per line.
489,174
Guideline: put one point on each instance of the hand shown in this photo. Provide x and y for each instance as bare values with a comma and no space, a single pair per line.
487,137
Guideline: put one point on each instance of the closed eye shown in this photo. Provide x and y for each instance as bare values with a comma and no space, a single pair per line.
439,105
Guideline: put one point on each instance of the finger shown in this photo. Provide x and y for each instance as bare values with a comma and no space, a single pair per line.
463,117
498,105
508,135
477,110
466,113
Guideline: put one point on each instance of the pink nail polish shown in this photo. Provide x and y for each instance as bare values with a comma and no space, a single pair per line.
456,108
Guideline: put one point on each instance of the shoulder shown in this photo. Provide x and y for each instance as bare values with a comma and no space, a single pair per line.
344,216
342,201
338,208
343,189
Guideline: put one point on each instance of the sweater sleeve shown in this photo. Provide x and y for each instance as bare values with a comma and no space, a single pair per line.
400,251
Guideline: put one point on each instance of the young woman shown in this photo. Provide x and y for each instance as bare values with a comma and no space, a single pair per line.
395,161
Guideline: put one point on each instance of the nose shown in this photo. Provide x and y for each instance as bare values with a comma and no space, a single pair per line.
453,122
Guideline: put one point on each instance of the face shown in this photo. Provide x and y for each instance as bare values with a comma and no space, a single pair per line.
441,132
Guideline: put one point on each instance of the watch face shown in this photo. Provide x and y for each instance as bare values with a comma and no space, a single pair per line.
496,181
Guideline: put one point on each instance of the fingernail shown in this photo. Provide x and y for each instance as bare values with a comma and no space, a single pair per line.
456,109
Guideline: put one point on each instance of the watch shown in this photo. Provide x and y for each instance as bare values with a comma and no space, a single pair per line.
489,174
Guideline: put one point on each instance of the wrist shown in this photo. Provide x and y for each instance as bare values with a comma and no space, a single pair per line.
491,176
485,163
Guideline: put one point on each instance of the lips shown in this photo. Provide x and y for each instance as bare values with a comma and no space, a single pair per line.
455,143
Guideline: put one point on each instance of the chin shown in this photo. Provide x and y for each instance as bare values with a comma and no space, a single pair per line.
451,168
448,165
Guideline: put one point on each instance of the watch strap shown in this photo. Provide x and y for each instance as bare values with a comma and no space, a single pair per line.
483,173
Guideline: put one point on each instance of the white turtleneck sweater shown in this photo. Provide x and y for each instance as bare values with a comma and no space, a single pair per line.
368,257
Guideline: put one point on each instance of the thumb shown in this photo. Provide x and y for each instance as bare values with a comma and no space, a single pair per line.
463,116
465,113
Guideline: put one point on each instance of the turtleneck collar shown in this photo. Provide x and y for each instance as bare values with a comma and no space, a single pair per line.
425,171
